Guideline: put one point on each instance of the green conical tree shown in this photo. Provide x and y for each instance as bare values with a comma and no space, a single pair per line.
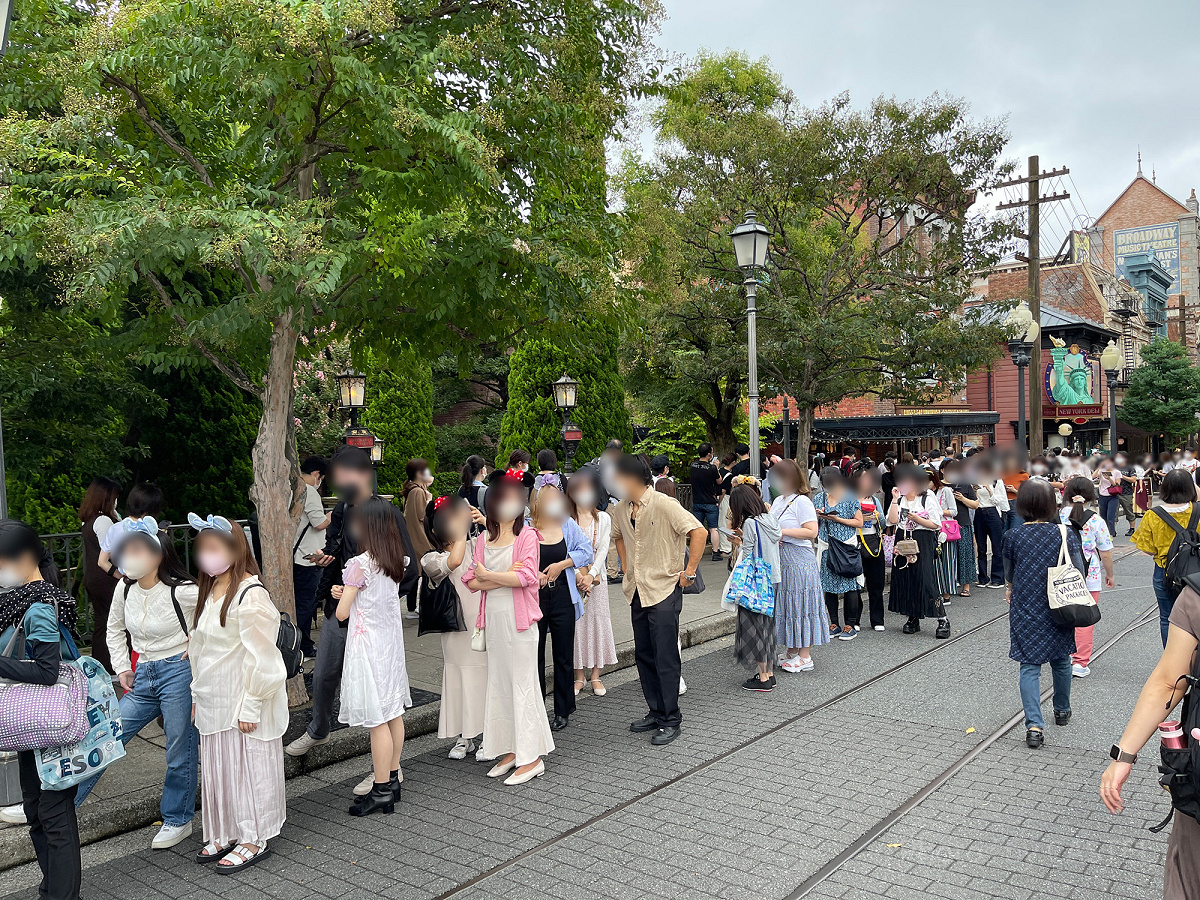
400,410
1163,396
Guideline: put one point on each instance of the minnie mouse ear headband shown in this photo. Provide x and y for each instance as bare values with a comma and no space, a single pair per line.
434,505
127,527
216,523
550,478
515,476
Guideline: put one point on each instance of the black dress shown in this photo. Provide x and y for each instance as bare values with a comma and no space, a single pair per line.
99,586
914,585
558,621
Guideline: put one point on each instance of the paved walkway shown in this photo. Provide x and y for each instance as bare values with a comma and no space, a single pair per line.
759,793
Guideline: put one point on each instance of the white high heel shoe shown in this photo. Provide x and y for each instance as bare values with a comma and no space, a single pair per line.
539,769
502,768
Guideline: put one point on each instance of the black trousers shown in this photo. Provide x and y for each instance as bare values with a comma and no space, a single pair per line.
875,574
988,526
656,650
305,581
54,831
413,592
853,604
558,621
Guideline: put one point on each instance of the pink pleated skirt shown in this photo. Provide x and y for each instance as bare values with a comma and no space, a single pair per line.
241,788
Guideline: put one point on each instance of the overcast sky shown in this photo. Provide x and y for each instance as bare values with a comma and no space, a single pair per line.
1083,87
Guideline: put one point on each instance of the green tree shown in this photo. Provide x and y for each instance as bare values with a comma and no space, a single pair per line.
532,422
874,242
400,410
1163,396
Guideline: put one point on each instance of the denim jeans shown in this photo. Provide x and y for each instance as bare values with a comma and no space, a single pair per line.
1108,511
164,688
1165,601
1031,690
1012,519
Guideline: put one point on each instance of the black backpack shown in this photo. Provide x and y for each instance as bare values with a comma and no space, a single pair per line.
1177,774
287,639
1183,556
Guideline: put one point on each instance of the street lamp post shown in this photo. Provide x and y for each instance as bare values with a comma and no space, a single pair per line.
1020,349
5,18
566,396
352,395
750,247
1110,362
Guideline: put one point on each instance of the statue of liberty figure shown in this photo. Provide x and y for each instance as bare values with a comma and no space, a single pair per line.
1071,371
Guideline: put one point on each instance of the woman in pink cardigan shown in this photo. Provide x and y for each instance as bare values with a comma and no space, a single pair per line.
505,570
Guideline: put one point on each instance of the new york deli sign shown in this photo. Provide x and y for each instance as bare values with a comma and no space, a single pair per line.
1083,412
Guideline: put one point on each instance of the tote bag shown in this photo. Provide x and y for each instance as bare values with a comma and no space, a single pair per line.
1071,602
750,585
67,765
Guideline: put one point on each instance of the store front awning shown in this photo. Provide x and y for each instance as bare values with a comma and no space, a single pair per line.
906,428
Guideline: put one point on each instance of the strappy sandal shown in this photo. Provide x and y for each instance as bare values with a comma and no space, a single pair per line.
579,687
598,688
246,855
211,852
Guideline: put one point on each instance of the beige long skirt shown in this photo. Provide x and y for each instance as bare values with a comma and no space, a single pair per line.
243,800
464,680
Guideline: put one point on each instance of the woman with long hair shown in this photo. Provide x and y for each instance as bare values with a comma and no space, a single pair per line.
504,569
918,517
374,677
1079,494
416,496
947,551
801,619
595,646
1176,498
240,704
97,514
464,671
839,518
755,532
154,604
473,489
34,601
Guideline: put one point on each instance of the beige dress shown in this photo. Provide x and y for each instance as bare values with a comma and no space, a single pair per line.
514,709
464,671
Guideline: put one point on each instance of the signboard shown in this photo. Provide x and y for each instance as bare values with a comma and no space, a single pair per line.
1162,240
1081,247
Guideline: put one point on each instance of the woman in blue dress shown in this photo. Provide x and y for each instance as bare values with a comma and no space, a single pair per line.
840,517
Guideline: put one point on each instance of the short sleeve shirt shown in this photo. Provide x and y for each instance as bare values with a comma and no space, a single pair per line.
1185,613
308,539
1096,540
705,483
794,511
654,545
1154,536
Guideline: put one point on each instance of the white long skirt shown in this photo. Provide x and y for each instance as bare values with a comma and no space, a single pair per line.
464,684
243,800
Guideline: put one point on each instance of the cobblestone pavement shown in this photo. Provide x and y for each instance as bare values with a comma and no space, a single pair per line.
752,800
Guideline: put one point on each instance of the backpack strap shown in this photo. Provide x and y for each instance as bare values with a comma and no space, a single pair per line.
237,601
179,612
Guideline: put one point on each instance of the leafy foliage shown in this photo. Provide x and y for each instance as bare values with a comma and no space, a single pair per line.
1163,396
400,410
320,423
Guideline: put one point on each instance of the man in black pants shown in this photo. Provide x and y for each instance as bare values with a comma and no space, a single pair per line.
354,481
652,533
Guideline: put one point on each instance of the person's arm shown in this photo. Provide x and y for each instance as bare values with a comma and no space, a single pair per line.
696,540
603,536
1159,696
855,521
968,503
524,570
1106,560
258,625
345,594
114,636
41,647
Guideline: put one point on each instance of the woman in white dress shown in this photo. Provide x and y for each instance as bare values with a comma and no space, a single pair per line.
594,643
374,677
241,706
448,521
504,567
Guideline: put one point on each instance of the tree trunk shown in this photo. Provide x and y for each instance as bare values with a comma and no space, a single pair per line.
276,487
804,427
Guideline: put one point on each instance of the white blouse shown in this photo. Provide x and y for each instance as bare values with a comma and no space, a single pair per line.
150,618
925,505
237,671
599,568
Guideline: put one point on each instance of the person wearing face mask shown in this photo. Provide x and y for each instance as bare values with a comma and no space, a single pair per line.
1126,475
416,498
918,515
992,497
1187,461
154,603
965,505
594,643
1107,483
504,568
309,545
239,701
30,579
563,551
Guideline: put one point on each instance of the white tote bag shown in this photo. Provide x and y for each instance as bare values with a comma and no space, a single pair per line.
1071,602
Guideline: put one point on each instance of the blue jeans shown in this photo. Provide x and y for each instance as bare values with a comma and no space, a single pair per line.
1012,519
706,513
1108,511
164,688
1031,690
988,526
1165,601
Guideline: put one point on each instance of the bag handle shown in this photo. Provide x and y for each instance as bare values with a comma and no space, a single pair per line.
1062,550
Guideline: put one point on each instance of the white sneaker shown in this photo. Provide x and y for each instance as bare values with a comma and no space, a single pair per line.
462,748
303,744
682,689
170,835
796,664
13,815
1080,671
364,787
880,628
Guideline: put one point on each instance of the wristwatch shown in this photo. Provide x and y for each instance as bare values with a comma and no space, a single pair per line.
1121,756
689,577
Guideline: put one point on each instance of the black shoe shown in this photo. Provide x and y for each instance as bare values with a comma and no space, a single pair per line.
559,723
1034,738
716,557
665,735
381,799
1129,533
912,626
647,724
1062,718
943,629
754,684
615,579
394,787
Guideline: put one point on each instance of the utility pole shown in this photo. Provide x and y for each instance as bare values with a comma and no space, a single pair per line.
1033,260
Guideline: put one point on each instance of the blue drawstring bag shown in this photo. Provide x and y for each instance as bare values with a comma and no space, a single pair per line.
750,586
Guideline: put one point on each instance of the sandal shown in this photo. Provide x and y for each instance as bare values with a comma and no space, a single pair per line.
246,855
211,852
965,592
598,688
579,687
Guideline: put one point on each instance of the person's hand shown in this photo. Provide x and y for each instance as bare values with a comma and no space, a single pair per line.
686,578
958,496
481,570
775,459
247,727
517,565
1111,782
477,517
321,559
126,679
337,590
895,493
1110,581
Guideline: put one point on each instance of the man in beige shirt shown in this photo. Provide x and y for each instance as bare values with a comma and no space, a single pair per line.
652,531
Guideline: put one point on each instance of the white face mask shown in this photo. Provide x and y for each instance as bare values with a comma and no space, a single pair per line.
554,509
427,477
510,510
586,499
10,577
137,567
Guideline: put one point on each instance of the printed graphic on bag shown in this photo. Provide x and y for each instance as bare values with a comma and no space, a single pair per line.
62,767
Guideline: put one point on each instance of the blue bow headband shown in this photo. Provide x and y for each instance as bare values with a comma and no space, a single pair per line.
146,525
219,523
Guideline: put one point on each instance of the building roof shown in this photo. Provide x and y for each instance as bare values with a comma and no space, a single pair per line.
1128,187
1052,317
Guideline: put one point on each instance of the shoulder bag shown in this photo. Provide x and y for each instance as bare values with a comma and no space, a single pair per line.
1071,603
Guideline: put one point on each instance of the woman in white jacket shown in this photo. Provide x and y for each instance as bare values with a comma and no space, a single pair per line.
240,703
594,643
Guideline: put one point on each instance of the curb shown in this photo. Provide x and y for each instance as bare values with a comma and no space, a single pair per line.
139,809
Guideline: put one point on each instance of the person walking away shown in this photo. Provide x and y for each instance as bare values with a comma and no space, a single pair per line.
595,646
1159,696
374,677
464,671
547,461
97,514
154,604
1097,553
1154,536
240,703
504,569
954,474
653,534
756,532
416,499
1108,489
563,551
991,495
706,495
309,544
870,542
801,619
839,517
917,516
1035,639
28,570
946,569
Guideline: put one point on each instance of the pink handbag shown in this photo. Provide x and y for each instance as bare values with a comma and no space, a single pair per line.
951,530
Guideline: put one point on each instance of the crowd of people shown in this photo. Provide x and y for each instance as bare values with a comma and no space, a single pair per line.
524,555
